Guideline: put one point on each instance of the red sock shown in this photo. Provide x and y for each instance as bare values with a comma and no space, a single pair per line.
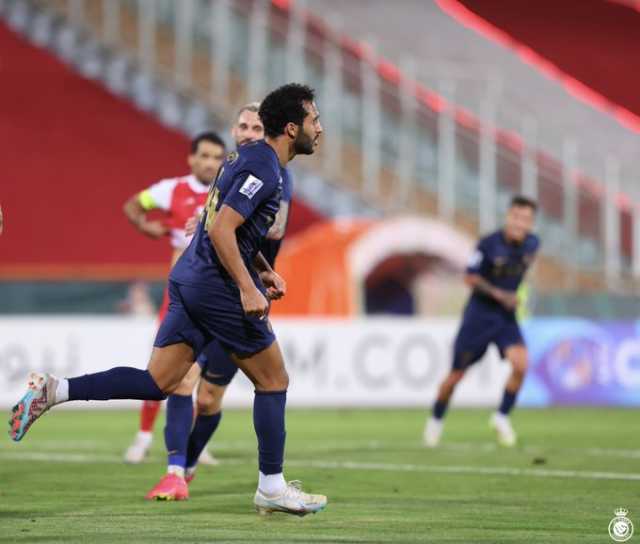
148,415
150,408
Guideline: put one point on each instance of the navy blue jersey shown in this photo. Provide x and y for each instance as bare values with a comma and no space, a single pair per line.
250,182
502,263
271,248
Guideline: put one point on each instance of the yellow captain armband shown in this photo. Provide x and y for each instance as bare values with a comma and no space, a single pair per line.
523,313
146,200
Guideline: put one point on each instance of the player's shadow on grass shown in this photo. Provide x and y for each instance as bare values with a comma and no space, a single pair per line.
22,514
220,489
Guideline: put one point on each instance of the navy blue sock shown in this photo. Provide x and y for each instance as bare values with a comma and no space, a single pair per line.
268,421
508,400
177,428
201,433
122,382
440,408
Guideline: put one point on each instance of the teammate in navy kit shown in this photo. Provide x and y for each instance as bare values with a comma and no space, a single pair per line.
220,289
494,274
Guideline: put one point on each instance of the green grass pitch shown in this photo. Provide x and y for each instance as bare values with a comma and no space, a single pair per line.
65,481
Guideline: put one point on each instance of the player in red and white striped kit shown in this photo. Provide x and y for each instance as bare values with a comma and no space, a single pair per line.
179,199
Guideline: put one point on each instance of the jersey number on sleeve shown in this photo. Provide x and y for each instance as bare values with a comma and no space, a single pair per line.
212,200
210,206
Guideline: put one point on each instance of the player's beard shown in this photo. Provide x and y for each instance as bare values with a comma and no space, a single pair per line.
303,144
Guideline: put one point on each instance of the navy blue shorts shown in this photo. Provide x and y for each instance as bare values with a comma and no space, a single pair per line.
217,366
478,331
198,315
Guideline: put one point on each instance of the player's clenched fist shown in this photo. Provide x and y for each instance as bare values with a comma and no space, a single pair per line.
254,302
276,286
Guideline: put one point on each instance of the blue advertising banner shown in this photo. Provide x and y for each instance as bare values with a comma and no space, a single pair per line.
581,362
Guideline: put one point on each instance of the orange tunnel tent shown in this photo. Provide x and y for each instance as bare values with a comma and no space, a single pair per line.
329,266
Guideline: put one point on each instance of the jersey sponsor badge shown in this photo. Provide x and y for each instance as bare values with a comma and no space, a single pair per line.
251,186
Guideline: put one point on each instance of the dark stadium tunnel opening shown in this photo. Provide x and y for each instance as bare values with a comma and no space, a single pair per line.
393,286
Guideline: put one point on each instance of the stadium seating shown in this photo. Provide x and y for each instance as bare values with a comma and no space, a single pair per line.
601,54
77,153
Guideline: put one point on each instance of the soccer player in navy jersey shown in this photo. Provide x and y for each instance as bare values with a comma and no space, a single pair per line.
218,370
185,438
220,289
494,274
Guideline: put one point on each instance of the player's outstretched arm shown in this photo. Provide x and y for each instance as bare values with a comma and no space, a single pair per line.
1,220
222,233
137,216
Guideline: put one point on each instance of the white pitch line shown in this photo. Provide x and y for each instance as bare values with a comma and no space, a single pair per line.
610,452
56,457
462,469
484,447
83,458
534,449
353,465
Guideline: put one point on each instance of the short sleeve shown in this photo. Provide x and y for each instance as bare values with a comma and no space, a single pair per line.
535,244
478,258
287,186
158,196
248,192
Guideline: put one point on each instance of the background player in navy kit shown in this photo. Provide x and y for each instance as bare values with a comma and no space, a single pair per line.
219,289
494,274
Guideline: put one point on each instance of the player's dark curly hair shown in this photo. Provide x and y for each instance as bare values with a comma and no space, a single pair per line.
521,201
211,137
284,105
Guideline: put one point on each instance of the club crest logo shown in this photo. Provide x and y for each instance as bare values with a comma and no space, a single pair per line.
620,527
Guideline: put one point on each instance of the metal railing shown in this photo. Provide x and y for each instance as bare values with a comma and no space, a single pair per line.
386,133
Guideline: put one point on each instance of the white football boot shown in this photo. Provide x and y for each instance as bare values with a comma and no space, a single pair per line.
136,453
433,432
502,425
291,501
207,459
